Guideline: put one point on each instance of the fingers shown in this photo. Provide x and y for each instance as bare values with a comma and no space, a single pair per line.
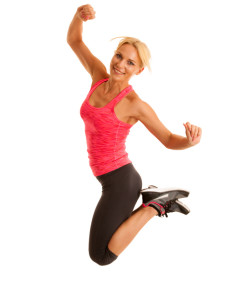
194,131
187,132
86,12
199,131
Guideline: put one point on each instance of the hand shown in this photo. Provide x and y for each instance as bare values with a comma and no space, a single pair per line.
193,133
86,12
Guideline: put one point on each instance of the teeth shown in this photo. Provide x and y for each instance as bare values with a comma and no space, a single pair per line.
118,71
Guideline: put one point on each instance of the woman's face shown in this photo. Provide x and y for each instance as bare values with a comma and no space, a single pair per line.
125,63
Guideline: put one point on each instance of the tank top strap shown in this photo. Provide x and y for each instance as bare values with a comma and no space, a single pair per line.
97,84
121,95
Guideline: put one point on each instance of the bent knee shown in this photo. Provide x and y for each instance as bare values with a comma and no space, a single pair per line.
102,258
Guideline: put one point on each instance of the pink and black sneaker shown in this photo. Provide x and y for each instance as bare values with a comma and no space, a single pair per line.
165,200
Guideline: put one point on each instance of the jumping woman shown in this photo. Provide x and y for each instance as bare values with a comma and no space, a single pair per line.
110,109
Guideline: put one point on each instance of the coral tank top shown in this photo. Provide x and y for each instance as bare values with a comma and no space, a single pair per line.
105,133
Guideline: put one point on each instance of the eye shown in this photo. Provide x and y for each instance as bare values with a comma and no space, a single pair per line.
131,63
118,55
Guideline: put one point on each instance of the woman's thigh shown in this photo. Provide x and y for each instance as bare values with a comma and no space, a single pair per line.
120,192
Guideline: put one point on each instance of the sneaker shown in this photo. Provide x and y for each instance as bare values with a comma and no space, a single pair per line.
153,192
178,206
164,207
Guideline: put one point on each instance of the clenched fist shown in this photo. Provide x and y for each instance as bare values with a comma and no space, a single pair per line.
86,12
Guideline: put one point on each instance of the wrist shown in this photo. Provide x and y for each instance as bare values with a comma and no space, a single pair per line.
78,15
188,143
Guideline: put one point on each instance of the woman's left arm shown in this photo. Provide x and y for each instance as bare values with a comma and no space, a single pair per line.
143,112
193,137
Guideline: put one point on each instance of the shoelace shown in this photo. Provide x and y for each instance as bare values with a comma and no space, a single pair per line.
167,208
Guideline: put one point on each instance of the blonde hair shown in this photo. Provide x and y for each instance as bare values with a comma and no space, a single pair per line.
143,50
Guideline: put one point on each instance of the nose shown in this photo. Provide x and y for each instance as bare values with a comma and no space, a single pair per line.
121,64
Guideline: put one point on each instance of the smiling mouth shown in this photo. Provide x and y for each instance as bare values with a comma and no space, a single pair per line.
117,71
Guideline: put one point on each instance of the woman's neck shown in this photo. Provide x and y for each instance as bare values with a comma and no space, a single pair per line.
114,86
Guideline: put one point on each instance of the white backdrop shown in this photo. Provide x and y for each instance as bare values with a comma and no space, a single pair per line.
48,192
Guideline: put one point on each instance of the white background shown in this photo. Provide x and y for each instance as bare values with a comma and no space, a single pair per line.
48,192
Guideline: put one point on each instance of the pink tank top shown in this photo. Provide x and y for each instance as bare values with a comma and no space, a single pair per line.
105,133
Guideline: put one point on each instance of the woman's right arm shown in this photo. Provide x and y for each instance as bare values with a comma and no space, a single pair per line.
92,64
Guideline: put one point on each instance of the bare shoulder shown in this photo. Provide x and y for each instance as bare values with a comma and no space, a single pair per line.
137,106
142,111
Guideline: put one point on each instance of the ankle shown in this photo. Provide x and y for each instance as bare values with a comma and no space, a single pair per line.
150,210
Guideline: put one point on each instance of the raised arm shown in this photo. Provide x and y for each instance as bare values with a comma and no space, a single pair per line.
92,64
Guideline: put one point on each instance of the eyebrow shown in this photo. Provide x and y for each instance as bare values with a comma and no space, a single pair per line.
128,59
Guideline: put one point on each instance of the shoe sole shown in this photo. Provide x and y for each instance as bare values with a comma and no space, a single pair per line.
185,209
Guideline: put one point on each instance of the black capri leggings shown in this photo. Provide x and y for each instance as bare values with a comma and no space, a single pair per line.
120,192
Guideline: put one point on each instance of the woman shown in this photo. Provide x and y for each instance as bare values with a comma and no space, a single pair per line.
111,108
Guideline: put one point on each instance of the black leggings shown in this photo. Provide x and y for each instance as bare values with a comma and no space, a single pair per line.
120,192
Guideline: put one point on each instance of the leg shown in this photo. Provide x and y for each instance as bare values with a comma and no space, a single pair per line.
129,228
120,192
